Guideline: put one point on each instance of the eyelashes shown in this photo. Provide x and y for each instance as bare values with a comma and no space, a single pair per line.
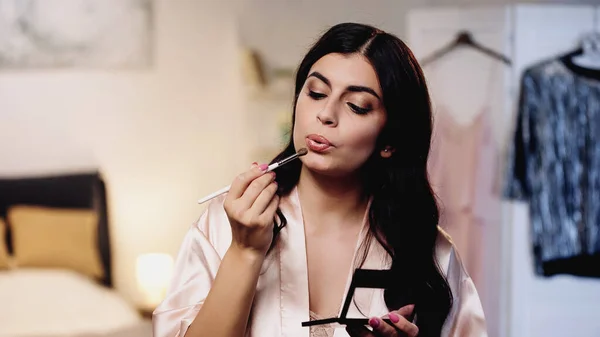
357,109
316,95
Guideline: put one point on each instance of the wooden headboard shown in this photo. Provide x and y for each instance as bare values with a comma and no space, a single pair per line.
81,190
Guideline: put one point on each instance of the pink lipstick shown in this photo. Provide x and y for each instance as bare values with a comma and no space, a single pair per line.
317,143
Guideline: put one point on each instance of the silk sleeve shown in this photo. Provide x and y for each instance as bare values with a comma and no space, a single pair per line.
467,318
195,270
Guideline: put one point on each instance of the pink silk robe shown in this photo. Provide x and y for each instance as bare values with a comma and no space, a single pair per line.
282,301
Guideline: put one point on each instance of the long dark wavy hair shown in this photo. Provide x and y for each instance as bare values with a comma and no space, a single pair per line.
403,214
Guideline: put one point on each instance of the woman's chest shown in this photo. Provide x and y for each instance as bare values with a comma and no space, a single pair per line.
282,299
330,262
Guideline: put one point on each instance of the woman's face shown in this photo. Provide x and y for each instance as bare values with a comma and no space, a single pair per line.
339,114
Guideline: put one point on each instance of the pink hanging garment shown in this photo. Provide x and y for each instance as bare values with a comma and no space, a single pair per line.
462,168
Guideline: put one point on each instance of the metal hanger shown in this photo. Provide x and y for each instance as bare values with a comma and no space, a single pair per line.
464,38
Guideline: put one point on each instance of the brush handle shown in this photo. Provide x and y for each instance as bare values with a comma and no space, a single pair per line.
226,188
214,194
270,168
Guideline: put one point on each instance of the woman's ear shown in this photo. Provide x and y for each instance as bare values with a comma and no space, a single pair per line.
387,152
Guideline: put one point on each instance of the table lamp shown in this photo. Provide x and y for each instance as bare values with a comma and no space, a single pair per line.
153,273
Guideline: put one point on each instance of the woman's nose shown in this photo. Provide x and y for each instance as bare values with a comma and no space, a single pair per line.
328,115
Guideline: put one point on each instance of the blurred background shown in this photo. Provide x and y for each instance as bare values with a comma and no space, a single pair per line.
117,115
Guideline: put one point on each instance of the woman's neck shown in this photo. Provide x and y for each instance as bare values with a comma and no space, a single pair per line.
332,201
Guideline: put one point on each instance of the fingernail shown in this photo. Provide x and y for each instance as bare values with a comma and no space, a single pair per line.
263,167
253,165
374,322
394,317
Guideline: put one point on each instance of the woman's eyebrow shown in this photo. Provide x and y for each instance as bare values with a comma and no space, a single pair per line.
359,88
352,88
321,77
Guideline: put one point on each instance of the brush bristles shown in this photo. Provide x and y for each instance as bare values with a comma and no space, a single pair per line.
302,152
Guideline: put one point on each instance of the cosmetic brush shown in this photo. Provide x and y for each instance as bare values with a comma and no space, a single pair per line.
270,168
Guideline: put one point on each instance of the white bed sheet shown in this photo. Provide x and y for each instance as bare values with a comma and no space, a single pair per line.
59,303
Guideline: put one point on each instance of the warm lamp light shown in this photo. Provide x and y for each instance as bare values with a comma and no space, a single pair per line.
153,272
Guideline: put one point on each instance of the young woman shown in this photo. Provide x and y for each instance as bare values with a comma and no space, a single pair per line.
281,248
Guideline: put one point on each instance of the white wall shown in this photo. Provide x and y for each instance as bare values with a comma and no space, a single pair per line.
162,137
283,30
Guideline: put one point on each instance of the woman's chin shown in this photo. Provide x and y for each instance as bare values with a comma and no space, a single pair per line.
315,165
323,167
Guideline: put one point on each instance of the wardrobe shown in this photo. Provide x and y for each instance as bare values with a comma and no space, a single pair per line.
467,82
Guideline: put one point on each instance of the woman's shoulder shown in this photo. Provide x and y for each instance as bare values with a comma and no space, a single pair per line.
448,257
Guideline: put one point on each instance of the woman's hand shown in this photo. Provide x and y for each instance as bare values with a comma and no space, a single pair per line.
402,326
250,206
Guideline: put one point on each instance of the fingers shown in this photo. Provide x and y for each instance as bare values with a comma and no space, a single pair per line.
406,311
269,212
243,180
256,204
358,331
402,324
261,201
256,187
381,328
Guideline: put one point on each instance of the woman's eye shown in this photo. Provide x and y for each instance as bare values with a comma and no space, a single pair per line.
316,95
359,110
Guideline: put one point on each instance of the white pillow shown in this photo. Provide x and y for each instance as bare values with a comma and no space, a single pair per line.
59,302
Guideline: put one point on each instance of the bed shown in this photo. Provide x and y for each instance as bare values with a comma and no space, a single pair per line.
55,261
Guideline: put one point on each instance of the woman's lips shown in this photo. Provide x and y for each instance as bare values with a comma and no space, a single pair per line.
317,143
